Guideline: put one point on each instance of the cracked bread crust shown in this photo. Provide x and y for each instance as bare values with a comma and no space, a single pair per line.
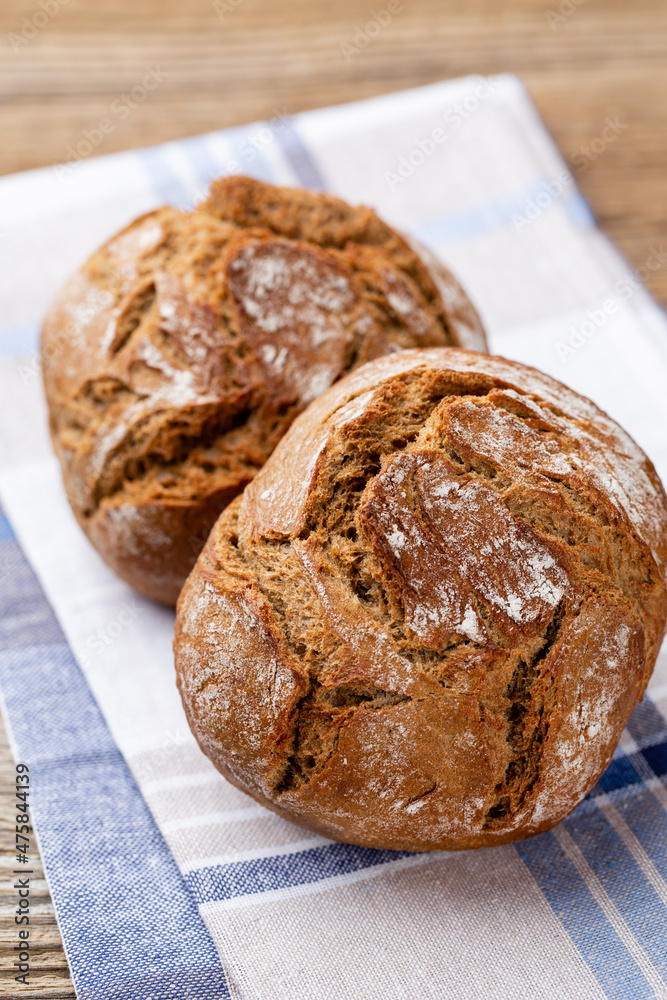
427,620
179,354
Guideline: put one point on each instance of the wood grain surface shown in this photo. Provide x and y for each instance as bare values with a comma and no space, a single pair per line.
224,62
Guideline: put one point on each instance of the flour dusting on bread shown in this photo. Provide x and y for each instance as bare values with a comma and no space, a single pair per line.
470,608
203,334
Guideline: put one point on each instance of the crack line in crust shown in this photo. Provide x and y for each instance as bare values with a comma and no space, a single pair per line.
526,698
316,723
356,457
138,307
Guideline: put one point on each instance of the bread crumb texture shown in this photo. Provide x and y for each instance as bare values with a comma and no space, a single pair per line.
425,623
180,353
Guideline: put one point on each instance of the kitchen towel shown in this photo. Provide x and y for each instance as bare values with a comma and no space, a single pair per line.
169,883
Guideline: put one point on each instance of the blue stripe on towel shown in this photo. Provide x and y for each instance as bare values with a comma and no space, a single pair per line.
656,758
619,864
645,817
206,165
571,900
166,183
502,213
247,878
647,722
300,159
619,774
19,342
129,926
622,879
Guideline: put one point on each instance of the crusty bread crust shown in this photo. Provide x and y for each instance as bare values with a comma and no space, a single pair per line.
427,620
178,356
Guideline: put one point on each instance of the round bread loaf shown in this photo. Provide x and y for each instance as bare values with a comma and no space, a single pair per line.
178,356
426,621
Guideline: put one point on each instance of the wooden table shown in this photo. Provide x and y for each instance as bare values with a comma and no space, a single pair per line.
230,61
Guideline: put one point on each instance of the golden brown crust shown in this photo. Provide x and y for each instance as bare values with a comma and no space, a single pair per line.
177,357
428,618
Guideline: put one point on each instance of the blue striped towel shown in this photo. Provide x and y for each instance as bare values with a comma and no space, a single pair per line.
169,883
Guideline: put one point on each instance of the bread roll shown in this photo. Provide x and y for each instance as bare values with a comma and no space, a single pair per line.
427,620
180,353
